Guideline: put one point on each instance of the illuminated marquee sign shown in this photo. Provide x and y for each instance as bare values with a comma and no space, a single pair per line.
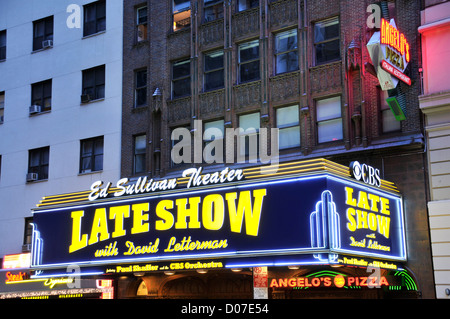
318,215
390,280
390,52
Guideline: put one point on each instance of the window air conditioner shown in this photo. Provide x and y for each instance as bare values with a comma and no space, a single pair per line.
35,109
26,248
85,98
47,44
31,177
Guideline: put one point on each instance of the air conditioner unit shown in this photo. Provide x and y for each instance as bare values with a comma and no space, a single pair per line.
31,177
85,98
26,248
47,44
35,109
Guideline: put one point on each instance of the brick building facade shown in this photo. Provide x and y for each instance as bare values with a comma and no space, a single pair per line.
301,66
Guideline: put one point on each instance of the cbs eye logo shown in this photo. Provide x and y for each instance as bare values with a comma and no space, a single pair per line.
365,173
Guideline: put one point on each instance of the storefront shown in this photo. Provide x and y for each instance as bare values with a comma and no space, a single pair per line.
302,229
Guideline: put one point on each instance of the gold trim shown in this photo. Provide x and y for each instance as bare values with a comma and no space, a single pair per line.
258,172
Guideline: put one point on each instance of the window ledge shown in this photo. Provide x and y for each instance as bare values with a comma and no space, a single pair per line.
42,49
93,101
93,35
90,173
40,113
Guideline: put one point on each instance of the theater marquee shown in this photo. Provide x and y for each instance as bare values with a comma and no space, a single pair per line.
306,212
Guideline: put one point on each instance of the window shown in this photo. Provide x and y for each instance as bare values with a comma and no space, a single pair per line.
93,84
2,107
326,41
38,162
247,4
43,33
249,61
181,14
388,121
181,78
28,232
3,45
91,158
213,9
289,127
213,131
214,71
41,96
94,18
329,120
141,88
286,52
140,148
141,24
248,139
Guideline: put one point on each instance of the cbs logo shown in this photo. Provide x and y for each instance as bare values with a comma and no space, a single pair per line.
365,173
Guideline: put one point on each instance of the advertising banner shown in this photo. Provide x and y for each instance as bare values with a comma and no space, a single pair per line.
320,215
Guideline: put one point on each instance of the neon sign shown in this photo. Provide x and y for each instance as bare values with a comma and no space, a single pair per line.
392,37
317,216
338,281
390,53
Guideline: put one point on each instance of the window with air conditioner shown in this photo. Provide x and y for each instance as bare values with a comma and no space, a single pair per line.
43,33
38,164
41,97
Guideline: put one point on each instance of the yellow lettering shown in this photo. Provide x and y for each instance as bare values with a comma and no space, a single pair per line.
384,206
139,218
99,227
374,199
167,218
362,218
362,200
213,212
349,197
383,225
118,213
184,212
78,241
244,208
351,225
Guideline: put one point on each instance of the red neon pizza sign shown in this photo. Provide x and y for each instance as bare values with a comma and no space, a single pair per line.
394,38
